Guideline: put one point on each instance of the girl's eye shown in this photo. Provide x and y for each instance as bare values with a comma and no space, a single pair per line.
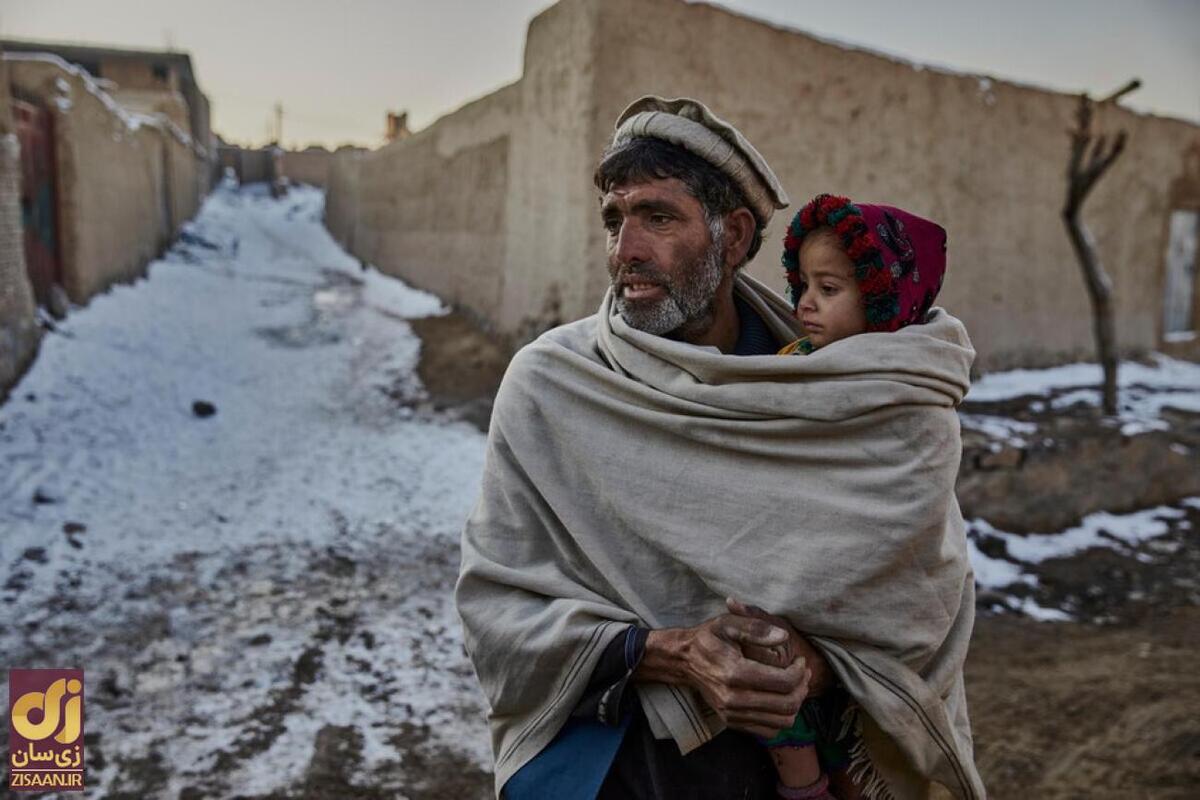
829,290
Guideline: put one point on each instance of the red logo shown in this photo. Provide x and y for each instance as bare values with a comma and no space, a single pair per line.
45,730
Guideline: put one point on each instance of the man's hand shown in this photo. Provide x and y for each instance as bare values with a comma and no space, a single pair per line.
758,698
795,646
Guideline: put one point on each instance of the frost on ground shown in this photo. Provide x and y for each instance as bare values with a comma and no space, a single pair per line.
218,500
1006,564
1145,390
1049,453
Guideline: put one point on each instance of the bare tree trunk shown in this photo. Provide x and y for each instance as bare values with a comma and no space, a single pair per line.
1084,169
1100,292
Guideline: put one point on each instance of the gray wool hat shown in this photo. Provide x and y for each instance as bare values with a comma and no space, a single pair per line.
689,124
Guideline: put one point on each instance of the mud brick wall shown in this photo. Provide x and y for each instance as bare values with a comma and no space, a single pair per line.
124,184
308,166
19,332
983,157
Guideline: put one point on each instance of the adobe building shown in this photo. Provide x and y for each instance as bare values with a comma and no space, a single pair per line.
147,81
19,331
102,184
492,207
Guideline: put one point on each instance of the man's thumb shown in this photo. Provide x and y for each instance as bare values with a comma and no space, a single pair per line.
754,632
736,606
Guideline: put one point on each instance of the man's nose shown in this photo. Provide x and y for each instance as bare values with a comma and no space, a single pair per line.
630,246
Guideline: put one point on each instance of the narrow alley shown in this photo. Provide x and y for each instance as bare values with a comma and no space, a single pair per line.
253,507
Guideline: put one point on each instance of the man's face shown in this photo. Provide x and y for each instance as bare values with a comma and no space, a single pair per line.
664,265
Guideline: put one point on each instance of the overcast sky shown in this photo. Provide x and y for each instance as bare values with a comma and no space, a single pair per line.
338,67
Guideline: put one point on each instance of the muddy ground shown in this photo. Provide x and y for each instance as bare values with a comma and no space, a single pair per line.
1104,708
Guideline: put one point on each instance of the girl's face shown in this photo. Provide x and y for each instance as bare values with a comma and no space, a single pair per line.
830,305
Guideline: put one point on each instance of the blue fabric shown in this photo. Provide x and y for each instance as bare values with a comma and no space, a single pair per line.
754,337
573,766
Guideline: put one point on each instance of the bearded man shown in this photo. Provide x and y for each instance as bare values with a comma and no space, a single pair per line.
638,475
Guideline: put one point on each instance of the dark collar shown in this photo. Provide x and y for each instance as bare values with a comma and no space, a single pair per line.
754,337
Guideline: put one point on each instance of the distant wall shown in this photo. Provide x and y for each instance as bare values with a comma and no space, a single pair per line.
984,158
125,183
19,332
432,207
307,166
341,198
262,165
492,206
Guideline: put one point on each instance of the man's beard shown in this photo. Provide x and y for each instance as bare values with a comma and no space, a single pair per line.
689,295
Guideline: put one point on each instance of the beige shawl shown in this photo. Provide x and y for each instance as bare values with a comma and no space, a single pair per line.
635,479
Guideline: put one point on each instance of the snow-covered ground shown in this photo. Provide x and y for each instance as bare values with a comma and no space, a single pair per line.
232,583
1144,391
1022,553
261,595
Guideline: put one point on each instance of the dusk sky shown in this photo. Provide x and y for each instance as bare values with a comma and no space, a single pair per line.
338,67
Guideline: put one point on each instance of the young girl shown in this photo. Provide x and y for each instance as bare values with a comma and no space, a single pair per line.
851,269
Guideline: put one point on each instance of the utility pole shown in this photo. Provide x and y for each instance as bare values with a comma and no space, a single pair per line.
279,124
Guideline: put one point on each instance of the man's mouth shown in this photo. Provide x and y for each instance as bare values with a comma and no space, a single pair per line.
640,290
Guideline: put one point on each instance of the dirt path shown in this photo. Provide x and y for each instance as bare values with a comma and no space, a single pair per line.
1078,711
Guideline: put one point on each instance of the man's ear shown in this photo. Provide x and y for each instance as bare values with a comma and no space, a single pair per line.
740,225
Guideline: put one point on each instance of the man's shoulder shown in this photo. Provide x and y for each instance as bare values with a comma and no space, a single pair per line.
543,363
578,338
549,353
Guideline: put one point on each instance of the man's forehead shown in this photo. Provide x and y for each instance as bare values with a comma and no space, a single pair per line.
655,189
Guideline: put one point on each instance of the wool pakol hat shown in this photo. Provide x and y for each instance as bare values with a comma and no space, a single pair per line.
899,258
690,125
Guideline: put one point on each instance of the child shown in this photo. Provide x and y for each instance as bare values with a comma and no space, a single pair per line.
851,269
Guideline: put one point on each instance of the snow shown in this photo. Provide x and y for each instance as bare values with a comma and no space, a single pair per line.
995,573
201,534
131,119
1162,373
1144,392
1100,529
1029,607
1122,532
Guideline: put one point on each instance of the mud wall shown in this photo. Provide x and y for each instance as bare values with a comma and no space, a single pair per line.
983,157
307,166
19,332
341,199
125,183
431,208
490,207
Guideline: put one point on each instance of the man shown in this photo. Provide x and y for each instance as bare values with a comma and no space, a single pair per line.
625,453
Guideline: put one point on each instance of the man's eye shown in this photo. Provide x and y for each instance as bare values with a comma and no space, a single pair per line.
612,225
659,219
